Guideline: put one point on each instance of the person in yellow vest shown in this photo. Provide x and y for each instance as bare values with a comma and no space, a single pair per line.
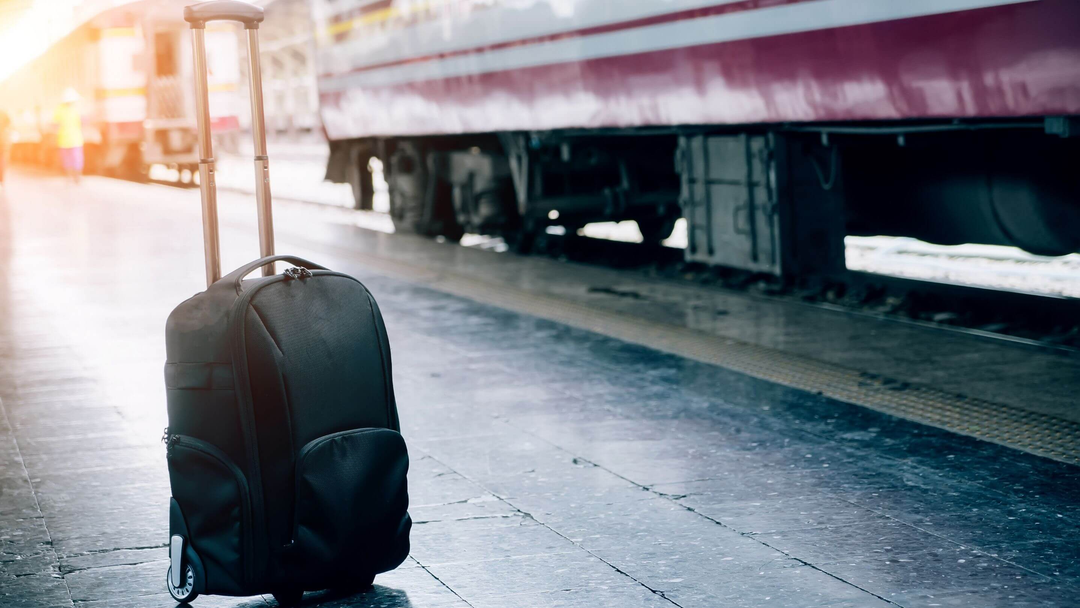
69,136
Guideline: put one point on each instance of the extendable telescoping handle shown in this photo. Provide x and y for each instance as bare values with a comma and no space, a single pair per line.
251,16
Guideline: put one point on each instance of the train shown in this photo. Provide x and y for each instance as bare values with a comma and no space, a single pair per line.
131,66
775,128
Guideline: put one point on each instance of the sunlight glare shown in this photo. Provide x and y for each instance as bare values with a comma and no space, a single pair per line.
25,34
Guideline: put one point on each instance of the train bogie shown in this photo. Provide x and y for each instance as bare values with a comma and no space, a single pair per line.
773,128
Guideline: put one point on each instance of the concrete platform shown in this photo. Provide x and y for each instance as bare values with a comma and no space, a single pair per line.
1031,380
552,466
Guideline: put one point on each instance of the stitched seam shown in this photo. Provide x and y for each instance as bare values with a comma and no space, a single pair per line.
382,357
281,374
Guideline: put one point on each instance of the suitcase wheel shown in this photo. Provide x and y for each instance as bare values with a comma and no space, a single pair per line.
290,597
186,591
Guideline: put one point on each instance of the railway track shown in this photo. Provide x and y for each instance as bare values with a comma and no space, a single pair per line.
1049,322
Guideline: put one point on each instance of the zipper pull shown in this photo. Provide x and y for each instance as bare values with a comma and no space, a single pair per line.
170,440
296,273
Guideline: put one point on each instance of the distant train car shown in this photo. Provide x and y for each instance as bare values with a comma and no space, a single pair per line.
132,67
775,127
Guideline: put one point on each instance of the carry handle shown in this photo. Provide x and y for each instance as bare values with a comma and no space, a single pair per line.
223,10
197,15
236,277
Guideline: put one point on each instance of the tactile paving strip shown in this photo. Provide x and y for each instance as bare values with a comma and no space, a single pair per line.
999,423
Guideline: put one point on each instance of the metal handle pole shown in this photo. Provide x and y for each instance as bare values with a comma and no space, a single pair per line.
206,161
262,163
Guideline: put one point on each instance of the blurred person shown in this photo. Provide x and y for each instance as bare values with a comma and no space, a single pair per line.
5,128
69,137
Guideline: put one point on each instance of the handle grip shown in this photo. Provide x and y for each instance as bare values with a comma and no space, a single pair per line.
236,277
223,10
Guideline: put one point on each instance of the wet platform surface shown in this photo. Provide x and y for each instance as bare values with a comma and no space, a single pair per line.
1030,379
551,466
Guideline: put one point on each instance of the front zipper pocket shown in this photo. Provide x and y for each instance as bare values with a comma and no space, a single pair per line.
213,495
351,511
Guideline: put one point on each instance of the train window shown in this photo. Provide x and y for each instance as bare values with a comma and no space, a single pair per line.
165,57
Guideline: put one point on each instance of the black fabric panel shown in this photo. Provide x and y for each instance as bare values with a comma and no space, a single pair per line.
211,416
208,376
197,330
332,354
351,507
197,342
274,428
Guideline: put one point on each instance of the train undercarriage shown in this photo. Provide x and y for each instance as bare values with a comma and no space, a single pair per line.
763,199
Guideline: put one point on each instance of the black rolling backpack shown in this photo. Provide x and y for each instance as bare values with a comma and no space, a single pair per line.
286,464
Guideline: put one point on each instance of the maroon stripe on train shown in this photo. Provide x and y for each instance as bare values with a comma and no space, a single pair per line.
1006,61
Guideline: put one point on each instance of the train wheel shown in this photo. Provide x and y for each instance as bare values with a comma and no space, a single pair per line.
655,229
1035,199
407,180
360,179
1043,226
450,230
420,202
521,239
